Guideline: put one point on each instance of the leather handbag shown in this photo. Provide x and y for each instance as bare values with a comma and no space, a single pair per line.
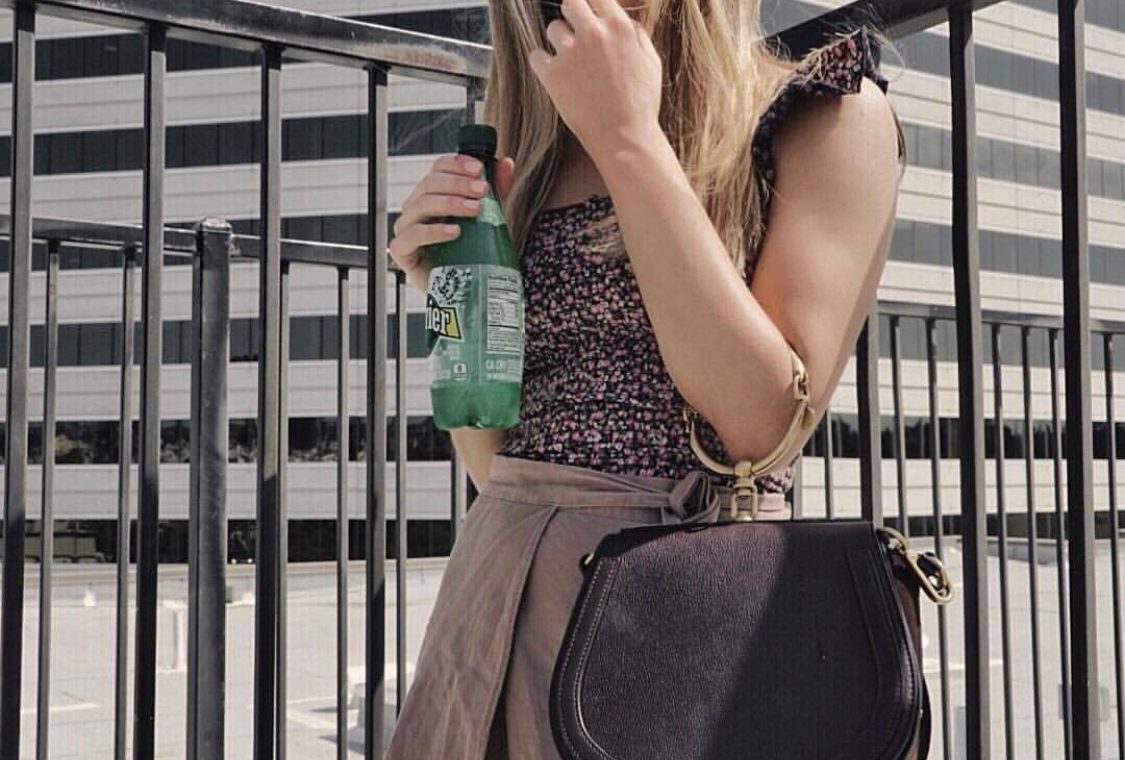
748,639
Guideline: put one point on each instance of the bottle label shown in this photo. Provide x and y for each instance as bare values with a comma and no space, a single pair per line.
474,324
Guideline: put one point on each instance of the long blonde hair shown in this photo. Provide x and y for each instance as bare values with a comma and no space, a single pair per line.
717,82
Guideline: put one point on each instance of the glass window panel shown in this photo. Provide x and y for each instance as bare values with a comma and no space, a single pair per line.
234,142
130,149
244,340
929,147
341,229
97,344
1113,179
1050,256
1003,160
927,243
1049,168
68,346
302,139
174,146
1027,165
202,145
66,153
1094,185
902,241
302,228
341,136
1115,267
305,339
99,151
68,60
102,55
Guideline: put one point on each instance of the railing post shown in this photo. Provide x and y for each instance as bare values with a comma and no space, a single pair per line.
343,445
207,505
970,383
124,497
1076,358
870,425
375,533
152,341
19,336
47,497
268,544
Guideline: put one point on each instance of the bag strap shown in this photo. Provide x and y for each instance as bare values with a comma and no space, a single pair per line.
746,471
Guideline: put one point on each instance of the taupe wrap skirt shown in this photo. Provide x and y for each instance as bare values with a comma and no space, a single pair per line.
481,682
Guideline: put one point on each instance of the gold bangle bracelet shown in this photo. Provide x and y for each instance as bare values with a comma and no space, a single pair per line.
745,471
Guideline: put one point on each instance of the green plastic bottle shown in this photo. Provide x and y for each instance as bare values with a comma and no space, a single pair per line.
474,310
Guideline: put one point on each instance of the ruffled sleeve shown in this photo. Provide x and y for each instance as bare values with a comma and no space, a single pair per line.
837,69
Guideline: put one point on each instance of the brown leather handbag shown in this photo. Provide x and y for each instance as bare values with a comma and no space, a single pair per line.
771,640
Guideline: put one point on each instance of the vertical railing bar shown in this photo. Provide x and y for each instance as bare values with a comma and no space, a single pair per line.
870,425
900,426
796,488
47,520
1114,540
269,412
207,511
400,486
1060,538
829,466
1032,540
148,476
966,286
456,494
375,528
1076,350
343,444
282,703
19,336
1002,538
124,513
939,531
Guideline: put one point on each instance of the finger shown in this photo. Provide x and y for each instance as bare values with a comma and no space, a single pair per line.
431,207
445,183
505,175
561,35
406,245
603,8
578,13
456,163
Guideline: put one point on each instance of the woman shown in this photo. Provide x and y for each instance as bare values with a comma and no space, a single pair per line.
641,158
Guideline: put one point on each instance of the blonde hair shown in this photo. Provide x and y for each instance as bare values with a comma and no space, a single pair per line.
706,45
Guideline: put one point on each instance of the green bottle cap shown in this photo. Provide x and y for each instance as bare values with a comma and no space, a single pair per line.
477,138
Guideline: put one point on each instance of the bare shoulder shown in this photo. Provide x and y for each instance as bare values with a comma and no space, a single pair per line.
846,135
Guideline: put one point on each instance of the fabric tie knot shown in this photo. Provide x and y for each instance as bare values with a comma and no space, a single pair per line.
693,499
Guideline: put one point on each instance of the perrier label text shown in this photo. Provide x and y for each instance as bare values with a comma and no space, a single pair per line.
442,320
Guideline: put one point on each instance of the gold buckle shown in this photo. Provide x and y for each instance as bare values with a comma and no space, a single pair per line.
745,489
934,582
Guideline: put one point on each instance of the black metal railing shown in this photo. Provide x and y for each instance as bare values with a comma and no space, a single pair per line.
212,246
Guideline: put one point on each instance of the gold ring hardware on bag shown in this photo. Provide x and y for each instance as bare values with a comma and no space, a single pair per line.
746,472
934,580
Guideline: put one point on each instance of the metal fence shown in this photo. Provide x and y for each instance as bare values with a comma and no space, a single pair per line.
379,52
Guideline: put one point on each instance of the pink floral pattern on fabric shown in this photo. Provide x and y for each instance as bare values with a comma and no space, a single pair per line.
595,390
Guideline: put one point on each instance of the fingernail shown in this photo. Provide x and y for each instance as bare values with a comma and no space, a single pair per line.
479,186
472,165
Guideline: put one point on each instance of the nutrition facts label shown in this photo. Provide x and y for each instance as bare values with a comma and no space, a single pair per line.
505,313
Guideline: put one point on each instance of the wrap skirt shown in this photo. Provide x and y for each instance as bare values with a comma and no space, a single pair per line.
482,678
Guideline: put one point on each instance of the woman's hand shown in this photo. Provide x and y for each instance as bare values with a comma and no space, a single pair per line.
605,78
448,189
